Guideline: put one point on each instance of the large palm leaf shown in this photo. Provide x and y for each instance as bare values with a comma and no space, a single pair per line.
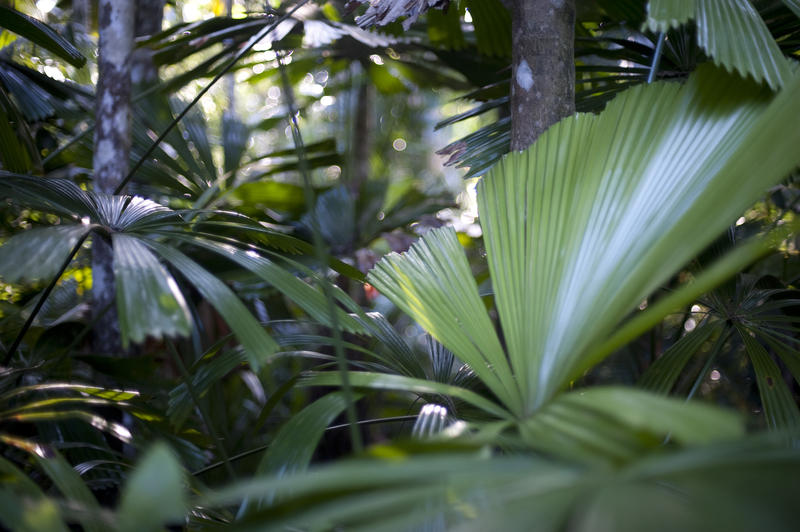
730,31
590,220
148,298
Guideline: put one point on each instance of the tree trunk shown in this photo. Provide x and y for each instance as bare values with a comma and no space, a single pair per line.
543,67
362,133
149,17
81,12
111,152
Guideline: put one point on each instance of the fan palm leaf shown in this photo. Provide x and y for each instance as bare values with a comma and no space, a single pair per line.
589,221
730,31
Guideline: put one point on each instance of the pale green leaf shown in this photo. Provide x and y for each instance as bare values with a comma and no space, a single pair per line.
310,299
603,209
721,487
731,32
149,302
381,381
618,424
37,254
23,514
257,343
665,14
154,494
433,284
71,485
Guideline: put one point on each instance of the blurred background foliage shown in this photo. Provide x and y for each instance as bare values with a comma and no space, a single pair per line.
212,418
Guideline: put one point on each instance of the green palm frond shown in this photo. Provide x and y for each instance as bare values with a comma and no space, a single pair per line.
145,287
433,284
730,31
36,255
617,424
742,484
589,221
40,34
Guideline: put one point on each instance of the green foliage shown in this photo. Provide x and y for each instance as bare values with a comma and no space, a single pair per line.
597,359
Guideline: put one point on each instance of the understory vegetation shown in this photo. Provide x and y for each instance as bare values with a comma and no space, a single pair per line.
274,266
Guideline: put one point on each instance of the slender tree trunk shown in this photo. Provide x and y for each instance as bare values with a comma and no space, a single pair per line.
81,12
543,67
111,151
362,133
149,17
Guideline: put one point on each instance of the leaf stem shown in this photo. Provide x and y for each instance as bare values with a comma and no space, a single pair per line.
651,77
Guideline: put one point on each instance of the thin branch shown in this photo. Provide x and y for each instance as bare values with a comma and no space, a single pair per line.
43,298
261,448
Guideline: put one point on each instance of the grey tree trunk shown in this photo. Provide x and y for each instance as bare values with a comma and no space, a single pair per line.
149,17
111,152
543,67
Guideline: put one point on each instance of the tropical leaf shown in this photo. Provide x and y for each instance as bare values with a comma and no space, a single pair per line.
780,408
431,420
590,220
154,494
306,296
29,515
618,424
291,450
37,254
71,485
794,5
661,376
40,34
148,300
745,483
555,268
58,196
382,381
433,284
731,32
257,343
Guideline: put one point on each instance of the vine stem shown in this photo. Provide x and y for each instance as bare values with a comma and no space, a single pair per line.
43,297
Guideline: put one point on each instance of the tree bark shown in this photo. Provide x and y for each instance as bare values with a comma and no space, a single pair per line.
149,17
543,67
111,152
